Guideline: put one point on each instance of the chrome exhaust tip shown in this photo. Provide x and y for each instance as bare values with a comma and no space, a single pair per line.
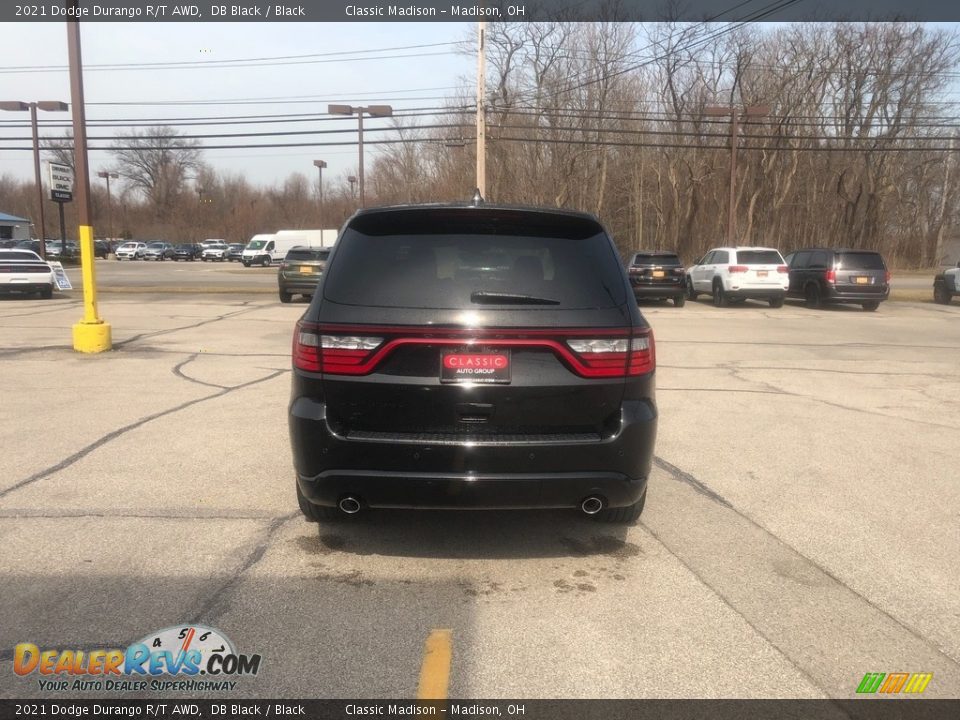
349,505
592,505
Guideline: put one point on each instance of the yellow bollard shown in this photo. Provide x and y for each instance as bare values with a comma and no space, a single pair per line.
90,335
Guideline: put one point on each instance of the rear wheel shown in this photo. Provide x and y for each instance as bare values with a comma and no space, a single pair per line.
316,513
871,305
776,301
719,296
940,295
811,296
285,297
691,293
625,515
47,292
679,300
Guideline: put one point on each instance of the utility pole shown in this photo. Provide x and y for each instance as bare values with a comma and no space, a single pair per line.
106,175
481,109
91,334
735,116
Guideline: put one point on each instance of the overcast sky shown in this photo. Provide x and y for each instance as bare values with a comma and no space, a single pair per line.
298,85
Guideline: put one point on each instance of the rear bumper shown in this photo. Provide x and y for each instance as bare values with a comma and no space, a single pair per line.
659,291
471,474
762,293
839,296
298,285
31,285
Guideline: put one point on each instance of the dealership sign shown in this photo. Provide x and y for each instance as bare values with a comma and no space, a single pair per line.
60,180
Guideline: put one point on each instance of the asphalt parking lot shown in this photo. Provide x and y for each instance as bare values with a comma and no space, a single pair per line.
802,526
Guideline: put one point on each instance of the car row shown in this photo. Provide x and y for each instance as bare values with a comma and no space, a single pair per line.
731,275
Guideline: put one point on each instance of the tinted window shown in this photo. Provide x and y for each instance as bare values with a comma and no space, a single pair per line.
861,261
801,259
307,254
14,255
759,257
439,259
819,260
656,259
720,257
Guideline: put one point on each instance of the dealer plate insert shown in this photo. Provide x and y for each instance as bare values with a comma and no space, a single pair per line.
475,366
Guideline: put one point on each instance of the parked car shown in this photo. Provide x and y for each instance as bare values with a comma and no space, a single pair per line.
8,243
300,271
428,375
158,251
132,250
188,251
823,276
656,275
24,271
735,274
57,250
235,252
946,285
214,251
101,248
31,245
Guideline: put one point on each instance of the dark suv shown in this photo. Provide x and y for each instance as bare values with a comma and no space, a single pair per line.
473,357
836,275
300,271
657,275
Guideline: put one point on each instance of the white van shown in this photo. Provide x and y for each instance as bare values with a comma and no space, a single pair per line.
265,249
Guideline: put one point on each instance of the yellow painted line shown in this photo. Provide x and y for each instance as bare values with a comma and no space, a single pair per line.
435,671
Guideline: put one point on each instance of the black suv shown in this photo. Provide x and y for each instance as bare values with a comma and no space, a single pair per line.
656,275
837,275
473,357
188,251
300,271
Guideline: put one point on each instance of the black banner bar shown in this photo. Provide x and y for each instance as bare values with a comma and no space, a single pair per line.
472,10
232,708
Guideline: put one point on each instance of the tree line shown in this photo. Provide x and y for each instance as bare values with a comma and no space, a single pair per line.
851,142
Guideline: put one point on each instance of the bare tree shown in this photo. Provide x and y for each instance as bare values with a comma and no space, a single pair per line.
158,163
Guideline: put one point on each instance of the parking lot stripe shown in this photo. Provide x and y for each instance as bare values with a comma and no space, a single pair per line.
435,671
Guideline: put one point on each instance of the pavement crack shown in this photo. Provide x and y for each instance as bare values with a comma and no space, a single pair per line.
178,371
690,480
119,345
113,434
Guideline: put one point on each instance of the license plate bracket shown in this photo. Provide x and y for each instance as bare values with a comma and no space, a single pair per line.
475,365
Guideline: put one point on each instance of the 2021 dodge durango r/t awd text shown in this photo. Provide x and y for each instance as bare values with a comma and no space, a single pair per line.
473,357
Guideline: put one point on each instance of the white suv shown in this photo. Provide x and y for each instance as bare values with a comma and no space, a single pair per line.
131,251
732,274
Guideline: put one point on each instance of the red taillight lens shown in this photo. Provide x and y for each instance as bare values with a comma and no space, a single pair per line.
678,271
283,266
608,357
306,347
887,276
831,276
738,268
332,354
782,269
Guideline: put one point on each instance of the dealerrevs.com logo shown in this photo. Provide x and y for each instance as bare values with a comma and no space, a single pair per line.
185,657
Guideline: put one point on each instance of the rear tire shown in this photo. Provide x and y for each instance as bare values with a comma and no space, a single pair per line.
940,295
679,300
316,513
720,298
776,302
871,305
811,296
623,515
46,293
285,297
691,293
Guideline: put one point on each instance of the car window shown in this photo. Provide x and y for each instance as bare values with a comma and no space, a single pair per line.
270,245
801,259
759,257
861,261
720,257
819,259
706,259
434,260
19,255
307,254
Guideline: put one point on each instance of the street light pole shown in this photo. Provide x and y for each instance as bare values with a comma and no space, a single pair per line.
372,111
352,179
320,165
106,175
736,114
481,109
91,334
49,106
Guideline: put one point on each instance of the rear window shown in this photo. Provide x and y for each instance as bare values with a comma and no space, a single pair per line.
18,255
861,261
441,258
759,257
307,254
657,259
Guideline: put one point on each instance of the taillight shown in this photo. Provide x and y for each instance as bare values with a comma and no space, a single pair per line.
333,354
678,271
782,269
887,276
738,268
283,266
831,276
608,357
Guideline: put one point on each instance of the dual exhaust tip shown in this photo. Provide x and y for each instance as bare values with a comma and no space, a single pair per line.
351,505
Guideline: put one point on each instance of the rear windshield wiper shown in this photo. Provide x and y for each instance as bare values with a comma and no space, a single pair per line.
483,296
